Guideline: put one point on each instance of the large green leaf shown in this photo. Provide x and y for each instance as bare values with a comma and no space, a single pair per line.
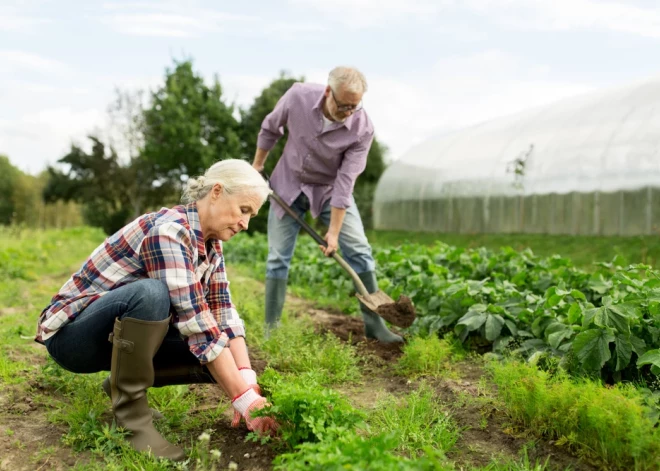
609,315
592,348
557,332
623,350
652,357
638,345
473,320
494,325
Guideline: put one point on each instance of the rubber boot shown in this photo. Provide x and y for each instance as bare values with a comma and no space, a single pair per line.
275,294
106,388
134,344
374,325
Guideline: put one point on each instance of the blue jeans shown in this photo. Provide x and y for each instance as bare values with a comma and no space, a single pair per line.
282,235
82,345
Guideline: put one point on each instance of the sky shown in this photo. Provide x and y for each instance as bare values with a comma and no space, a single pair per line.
433,66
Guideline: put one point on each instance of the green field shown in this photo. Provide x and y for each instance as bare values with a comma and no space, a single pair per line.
437,404
582,250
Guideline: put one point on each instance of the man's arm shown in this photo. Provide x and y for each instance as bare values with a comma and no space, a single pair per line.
272,129
353,164
332,236
260,159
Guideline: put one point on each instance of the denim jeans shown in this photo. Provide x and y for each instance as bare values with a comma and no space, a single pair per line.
82,345
282,235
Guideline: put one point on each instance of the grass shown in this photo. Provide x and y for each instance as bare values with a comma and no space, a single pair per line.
418,420
583,250
298,348
606,423
430,356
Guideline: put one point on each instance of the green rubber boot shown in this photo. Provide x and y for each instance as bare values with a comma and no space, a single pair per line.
275,294
374,325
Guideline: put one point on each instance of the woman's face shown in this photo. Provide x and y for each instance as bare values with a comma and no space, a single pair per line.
225,215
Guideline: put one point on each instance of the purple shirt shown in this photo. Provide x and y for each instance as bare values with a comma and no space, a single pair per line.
322,164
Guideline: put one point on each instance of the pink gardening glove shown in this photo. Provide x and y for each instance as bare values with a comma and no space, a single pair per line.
248,402
250,377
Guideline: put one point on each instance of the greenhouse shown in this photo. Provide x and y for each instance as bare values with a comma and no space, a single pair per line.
585,165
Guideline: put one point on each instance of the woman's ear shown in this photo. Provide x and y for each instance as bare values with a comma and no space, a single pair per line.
217,190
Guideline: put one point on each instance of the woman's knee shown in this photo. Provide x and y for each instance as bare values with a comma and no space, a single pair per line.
151,299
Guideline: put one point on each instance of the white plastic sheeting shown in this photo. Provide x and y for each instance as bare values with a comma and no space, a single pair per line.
606,142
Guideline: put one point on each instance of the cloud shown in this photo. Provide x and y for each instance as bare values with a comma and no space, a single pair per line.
33,139
525,15
456,93
180,20
357,14
20,17
565,15
21,60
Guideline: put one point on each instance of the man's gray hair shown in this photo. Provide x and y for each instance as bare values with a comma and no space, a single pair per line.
352,80
235,176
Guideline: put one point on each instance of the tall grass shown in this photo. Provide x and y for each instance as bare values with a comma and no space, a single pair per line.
608,423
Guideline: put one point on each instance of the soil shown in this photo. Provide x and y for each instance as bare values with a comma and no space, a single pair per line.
28,441
486,431
400,313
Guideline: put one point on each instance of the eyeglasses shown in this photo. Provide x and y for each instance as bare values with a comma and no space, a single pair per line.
345,108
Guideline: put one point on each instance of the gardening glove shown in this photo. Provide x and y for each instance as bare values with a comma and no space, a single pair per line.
249,402
250,377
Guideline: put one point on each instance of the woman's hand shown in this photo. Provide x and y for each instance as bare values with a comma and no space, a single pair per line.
250,377
248,403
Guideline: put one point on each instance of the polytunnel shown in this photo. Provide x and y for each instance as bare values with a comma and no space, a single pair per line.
585,165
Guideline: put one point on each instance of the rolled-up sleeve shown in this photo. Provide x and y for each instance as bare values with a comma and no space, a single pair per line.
353,164
219,300
166,255
272,127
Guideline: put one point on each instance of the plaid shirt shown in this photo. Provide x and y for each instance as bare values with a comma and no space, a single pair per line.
167,246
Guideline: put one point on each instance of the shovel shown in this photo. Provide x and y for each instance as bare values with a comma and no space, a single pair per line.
400,313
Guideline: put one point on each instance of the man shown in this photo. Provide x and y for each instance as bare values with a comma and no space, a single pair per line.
329,138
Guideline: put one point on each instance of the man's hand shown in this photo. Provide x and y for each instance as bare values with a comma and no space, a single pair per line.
332,240
258,167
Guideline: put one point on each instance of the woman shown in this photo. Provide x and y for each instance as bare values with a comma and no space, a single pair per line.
152,305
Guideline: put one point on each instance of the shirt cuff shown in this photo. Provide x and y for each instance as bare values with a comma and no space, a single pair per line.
236,330
265,142
208,352
341,202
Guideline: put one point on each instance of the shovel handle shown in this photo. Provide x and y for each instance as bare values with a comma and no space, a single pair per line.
356,279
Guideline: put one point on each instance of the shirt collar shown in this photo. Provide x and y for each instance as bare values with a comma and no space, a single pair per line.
196,227
319,106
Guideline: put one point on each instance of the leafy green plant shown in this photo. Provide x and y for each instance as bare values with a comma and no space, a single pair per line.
305,410
603,323
350,450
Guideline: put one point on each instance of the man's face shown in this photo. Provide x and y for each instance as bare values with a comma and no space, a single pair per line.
342,103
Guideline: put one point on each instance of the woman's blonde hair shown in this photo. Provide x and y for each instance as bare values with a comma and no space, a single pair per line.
235,176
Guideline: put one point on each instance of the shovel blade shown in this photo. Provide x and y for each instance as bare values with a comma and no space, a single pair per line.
400,313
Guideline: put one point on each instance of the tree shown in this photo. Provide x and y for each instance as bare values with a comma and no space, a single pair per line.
188,127
97,180
251,120
8,181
